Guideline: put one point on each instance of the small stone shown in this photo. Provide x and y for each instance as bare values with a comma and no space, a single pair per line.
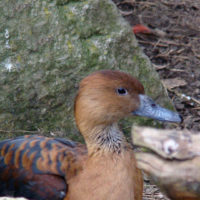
180,106
197,91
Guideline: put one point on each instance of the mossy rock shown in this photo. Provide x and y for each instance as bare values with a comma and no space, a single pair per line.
47,47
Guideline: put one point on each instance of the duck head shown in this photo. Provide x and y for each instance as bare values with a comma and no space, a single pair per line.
106,96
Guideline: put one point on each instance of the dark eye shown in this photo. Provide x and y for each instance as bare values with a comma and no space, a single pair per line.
122,91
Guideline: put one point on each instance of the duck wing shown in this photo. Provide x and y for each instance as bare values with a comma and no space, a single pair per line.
38,167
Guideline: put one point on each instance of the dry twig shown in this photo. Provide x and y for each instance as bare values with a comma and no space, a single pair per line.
185,97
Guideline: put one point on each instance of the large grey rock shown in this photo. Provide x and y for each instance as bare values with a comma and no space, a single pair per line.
46,47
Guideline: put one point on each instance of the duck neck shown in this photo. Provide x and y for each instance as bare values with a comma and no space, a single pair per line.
105,139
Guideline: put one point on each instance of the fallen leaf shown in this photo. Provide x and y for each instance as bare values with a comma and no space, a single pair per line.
173,83
139,28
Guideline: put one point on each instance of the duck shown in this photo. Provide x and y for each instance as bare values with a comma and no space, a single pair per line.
104,168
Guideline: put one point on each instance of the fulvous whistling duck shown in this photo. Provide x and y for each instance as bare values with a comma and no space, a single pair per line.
42,168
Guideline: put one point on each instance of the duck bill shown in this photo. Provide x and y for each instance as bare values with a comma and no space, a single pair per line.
148,108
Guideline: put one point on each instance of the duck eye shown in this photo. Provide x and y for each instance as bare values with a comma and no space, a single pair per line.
122,91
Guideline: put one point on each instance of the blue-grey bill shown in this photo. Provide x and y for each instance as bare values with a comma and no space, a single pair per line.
148,108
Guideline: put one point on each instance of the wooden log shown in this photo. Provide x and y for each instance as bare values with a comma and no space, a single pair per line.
171,158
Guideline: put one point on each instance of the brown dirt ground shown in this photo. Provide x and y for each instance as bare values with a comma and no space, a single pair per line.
174,49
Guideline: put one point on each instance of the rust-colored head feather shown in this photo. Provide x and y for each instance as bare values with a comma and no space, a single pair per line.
99,100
